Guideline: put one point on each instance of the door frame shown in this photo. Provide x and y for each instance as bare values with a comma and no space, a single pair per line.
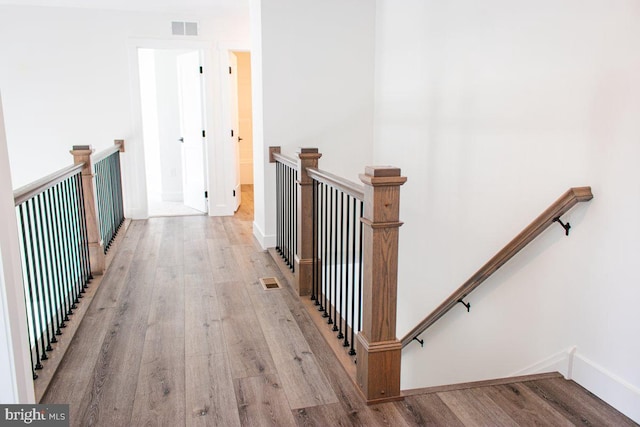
134,172
228,158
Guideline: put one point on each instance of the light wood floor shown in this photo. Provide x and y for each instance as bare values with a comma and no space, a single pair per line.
180,332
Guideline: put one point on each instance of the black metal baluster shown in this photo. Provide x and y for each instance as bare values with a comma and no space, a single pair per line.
31,219
340,310
286,215
43,262
294,215
78,231
62,251
319,240
335,264
28,240
323,253
352,350
314,239
277,207
119,190
109,199
67,244
346,278
112,175
103,209
55,257
84,233
77,281
331,257
40,289
360,274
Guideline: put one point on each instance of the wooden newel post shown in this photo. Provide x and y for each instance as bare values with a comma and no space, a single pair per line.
82,154
378,349
307,158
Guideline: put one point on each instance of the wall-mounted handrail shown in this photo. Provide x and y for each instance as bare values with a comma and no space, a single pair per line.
28,191
344,185
526,236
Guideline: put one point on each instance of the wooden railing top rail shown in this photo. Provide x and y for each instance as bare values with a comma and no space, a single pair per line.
344,185
28,191
533,230
286,160
117,146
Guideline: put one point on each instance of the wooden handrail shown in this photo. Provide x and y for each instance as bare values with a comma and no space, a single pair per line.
344,185
28,191
533,230
286,160
118,145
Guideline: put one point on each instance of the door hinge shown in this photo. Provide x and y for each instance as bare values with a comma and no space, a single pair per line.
200,70
204,134
229,70
234,193
206,194
232,133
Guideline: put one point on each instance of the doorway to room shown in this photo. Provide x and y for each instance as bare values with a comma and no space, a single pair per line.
242,134
173,131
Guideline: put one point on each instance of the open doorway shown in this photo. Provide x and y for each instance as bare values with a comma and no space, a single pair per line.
173,131
242,122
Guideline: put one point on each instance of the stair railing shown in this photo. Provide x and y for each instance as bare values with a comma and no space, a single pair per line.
551,215
346,262
61,247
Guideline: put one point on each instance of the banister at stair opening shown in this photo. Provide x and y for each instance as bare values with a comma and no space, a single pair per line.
551,215
344,237
62,220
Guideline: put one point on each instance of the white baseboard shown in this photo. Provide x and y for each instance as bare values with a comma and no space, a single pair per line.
265,241
136,214
616,391
558,362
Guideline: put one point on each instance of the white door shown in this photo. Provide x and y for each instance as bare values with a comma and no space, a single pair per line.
192,129
233,63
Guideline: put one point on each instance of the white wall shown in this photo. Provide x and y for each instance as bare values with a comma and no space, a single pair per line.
15,369
493,109
316,64
67,80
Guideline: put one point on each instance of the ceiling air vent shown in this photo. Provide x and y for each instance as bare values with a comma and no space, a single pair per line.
179,28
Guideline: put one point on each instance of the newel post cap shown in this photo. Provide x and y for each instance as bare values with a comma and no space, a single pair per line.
308,153
382,176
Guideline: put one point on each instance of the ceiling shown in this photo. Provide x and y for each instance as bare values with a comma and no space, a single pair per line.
187,6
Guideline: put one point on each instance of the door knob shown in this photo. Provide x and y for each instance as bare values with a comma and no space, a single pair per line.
181,139
239,139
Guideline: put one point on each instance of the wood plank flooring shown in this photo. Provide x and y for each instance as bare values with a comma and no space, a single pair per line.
181,333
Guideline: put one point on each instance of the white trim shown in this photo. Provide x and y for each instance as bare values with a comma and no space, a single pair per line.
265,242
134,176
611,388
614,390
558,362
17,373
225,163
